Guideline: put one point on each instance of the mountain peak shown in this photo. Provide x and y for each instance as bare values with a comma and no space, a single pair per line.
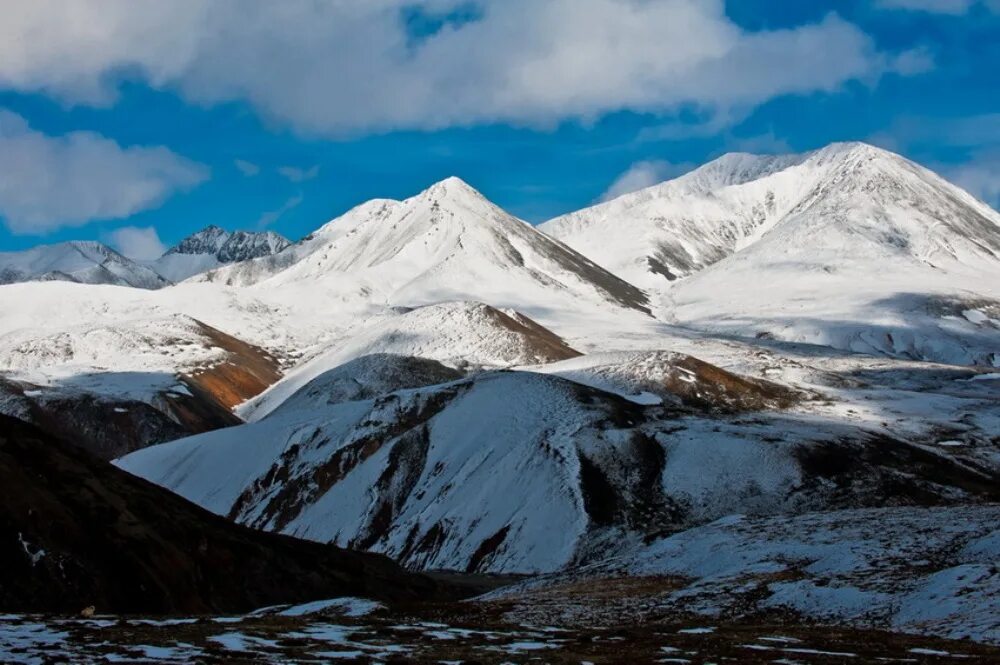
230,246
451,189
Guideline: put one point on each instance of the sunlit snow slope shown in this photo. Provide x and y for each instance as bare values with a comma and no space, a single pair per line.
849,246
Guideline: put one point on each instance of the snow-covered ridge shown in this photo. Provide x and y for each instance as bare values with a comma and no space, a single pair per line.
91,262
466,335
446,243
213,247
85,262
683,225
517,471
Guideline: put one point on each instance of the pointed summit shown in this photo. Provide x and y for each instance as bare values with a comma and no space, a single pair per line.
684,225
453,189
446,243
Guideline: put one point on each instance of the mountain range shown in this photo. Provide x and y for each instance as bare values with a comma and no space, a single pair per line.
435,380
91,262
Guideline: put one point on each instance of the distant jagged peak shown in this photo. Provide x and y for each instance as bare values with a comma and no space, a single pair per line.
230,246
207,241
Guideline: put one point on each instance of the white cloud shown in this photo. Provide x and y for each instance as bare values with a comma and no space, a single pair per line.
141,243
49,182
248,169
341,67
641,175
295,174
932,6
269,218
953,7
979,176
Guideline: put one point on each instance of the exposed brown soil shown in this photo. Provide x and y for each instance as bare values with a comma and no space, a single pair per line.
717,389
548,346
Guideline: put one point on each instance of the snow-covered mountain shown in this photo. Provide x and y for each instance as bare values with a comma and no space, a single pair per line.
213,247
520,471
849,246
86,262
446,243
860,198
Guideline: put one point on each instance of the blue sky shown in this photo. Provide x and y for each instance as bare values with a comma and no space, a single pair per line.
168,117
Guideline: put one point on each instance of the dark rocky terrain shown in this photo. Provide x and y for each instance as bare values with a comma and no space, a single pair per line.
76,532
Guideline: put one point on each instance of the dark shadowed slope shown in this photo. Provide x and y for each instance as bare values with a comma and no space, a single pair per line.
75,531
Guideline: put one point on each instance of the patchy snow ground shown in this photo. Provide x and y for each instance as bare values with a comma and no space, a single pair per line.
921,570
478,632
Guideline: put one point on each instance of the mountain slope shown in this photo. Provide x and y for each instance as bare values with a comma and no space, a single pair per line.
922,570
91,377
85,262
849,246
522,472
446,243
465,335
212,247
76,532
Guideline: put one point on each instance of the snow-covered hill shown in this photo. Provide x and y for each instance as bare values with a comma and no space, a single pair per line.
849,246
84,262
213,247
446,243
520,471
466,335
191,373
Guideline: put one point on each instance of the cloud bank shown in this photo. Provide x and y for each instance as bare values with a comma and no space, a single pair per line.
49,182
342,67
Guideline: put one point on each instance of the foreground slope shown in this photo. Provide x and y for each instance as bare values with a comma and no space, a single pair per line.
523,472
849,246
76,532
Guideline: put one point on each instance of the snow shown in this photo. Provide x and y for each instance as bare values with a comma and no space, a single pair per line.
462,334
84,262
351,607
849,246
868,567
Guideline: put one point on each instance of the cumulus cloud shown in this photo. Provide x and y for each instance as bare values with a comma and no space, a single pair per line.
641,175
49,182
141,243
344,67
295,174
